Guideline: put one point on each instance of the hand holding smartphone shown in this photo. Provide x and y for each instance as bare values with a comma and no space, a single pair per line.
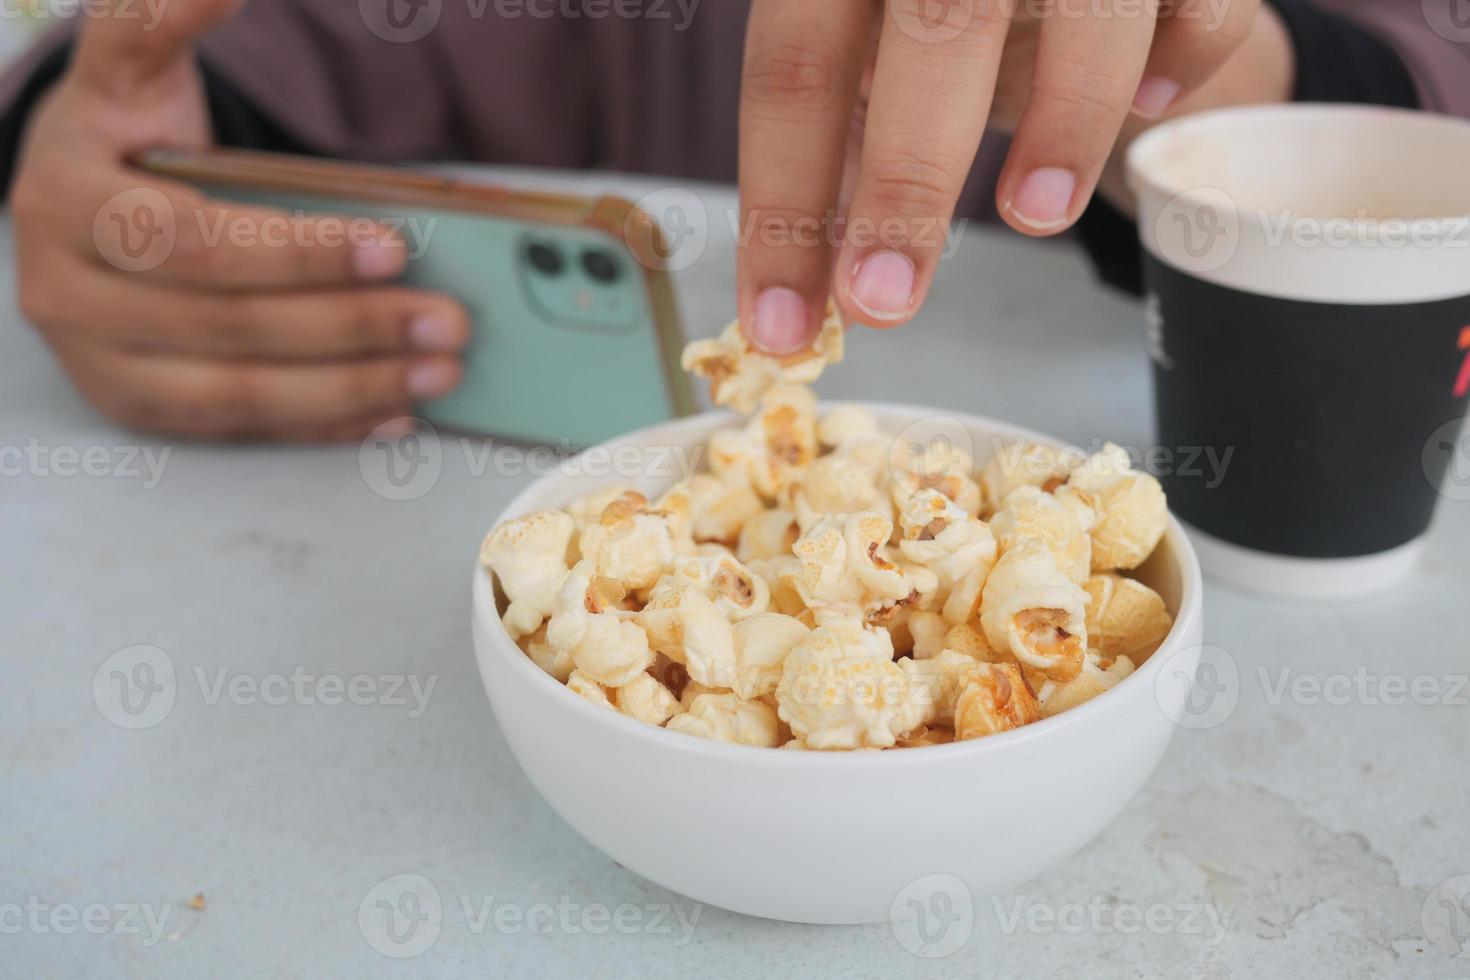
575,334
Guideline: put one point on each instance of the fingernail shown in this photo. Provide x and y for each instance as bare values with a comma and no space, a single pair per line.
435,331
1043,198
431,379
883,285
1154,95
379,260
780,321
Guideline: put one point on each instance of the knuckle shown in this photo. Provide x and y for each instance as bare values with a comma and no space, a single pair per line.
793,79
905,182
39,300
1088,101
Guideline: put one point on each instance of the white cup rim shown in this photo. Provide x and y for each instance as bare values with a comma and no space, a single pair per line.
1142,177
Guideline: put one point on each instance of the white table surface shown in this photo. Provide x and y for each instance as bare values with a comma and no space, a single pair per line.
1316,828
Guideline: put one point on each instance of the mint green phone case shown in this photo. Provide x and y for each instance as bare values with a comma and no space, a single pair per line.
573,337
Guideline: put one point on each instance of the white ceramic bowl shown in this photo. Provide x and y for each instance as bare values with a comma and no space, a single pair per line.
833,837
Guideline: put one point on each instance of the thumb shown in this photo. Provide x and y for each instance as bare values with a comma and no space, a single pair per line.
126,43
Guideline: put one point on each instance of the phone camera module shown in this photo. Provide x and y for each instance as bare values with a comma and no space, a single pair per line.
600,265
544,258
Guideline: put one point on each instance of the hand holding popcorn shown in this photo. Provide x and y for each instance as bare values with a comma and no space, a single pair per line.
739,375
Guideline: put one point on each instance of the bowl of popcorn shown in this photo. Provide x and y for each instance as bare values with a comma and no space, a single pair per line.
799,660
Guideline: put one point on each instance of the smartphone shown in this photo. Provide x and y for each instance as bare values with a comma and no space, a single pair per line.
576,335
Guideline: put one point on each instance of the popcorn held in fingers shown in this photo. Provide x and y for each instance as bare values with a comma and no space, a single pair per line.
1032,513
1125,618
729,718
599,635
1034,613
997,700
825,586
529,557
739,375
1132,513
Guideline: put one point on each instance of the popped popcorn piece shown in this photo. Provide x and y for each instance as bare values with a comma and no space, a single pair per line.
646,699
1030,512
774,448
1034,613
694,689
719,509
938,683
935,465
736,591
631,543
528,555
941,536
971,642
582,685
1125,618
586,510
685,626
1132,513
835,485
604,643
780,575
769,534
845,570
1024,464
840,689
851,432
729,718
762,644
1094,679
554,660
995,701
739,375
928,630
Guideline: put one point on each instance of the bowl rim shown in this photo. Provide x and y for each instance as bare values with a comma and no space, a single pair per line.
1188,615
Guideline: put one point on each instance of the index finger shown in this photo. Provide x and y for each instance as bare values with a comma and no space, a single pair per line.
803,62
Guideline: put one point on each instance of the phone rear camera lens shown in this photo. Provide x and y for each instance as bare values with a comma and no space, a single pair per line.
544,259
600,265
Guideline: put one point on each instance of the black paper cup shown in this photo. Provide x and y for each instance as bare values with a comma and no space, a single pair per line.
1307,270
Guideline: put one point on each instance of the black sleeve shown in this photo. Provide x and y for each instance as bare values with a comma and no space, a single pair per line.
1336,61
236,121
